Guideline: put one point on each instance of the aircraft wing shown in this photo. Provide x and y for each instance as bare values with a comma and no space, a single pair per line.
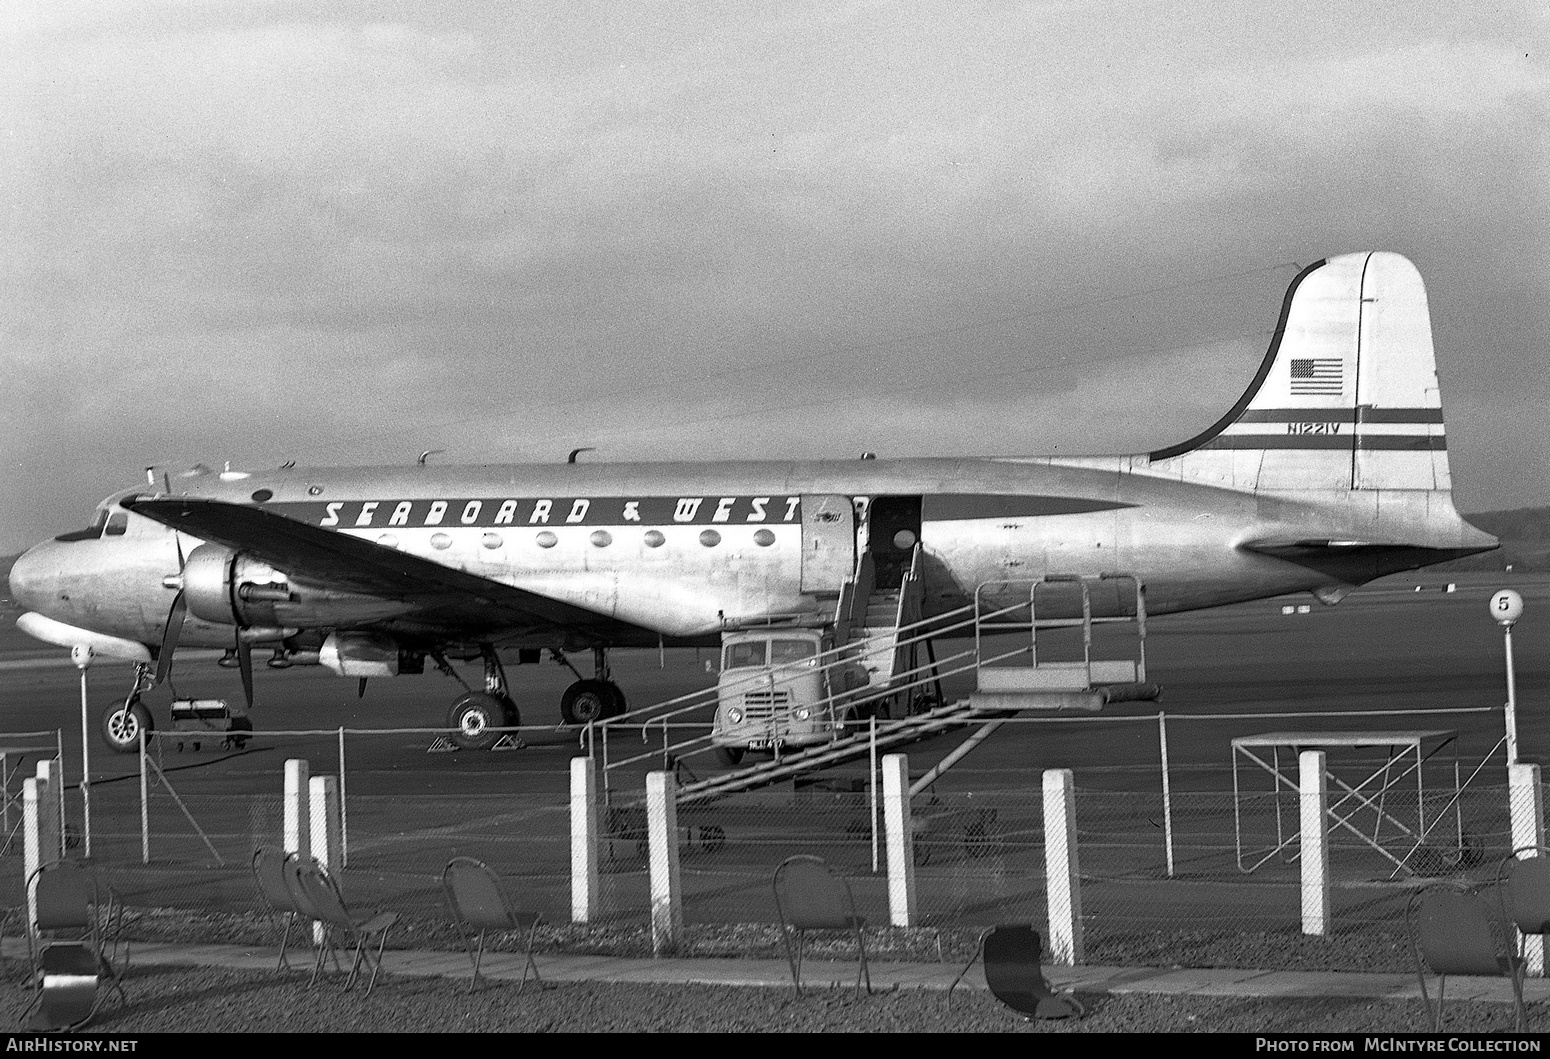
444,599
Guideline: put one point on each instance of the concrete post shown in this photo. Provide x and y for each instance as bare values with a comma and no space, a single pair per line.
1526,796
51,819
1061,869
662,830
1313,805
38,848
583,840
899,830
325,830
298,817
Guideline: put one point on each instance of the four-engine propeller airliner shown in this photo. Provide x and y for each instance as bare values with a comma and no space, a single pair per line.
1330,470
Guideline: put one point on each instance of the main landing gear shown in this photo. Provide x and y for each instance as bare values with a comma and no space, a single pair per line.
591,700
475,714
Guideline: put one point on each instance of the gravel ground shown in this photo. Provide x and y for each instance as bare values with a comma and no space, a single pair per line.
175,1000
167,1000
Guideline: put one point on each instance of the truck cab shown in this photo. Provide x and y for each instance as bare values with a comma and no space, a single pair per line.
774,692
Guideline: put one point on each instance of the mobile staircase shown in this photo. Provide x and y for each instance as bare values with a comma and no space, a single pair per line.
1015,670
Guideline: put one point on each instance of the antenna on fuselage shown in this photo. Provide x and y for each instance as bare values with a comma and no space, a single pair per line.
577,452
427,454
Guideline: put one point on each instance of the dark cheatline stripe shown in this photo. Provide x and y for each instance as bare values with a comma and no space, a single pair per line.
1402,443
1401,415
1341,415
1369,443
1298,415
940,507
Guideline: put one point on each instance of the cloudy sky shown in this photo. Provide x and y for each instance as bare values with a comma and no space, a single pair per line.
347,232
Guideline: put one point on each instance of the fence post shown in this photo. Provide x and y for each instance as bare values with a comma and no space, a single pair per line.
900,831
1061,879
1313,802
38,844
1528,829
662,831
298,817
583,840
51,817
323,828
1167,789
145,803
344,808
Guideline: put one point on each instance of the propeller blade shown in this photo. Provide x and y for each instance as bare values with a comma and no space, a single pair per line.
245,664
169,636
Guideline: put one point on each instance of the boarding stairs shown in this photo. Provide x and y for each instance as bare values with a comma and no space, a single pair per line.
878,623
1010,678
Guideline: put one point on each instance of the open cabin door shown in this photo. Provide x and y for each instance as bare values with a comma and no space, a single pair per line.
893,530
828,542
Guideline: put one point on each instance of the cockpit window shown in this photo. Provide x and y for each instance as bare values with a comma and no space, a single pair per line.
740,655
91,532
118,522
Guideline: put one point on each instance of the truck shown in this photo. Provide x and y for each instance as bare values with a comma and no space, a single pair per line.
782,688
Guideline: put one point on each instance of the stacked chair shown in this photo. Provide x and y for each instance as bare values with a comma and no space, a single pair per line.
73,957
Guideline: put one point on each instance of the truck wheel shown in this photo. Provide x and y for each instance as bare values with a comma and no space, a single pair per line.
586,701
729,755
472,719
121,726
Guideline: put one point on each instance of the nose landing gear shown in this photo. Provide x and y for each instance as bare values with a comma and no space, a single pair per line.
121,725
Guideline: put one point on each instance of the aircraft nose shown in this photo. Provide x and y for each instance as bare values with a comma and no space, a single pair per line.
32,576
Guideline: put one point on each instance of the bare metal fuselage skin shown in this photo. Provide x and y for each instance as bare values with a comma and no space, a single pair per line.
1330,470
1183,539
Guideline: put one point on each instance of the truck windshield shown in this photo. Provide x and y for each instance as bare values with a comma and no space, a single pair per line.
784,651
740,655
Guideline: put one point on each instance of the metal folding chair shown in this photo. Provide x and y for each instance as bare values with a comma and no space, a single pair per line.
269,875
316,892
1454,930
1015,975
479,902
811,895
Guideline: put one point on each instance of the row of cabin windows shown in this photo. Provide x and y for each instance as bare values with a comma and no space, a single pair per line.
599,538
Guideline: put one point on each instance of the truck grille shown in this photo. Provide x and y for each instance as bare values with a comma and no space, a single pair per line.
765,705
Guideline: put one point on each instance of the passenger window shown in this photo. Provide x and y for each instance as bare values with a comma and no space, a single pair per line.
740,655
785,651
118,522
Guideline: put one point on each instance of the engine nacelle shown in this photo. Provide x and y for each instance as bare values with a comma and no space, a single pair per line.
230,588
360,654
233,588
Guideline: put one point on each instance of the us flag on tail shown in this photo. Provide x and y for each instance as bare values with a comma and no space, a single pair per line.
1317,375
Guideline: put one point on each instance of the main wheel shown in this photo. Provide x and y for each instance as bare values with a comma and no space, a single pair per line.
618,705
729,755
586,701
121,726
472,719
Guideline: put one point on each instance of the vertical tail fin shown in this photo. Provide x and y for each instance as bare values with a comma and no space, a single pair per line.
1346,398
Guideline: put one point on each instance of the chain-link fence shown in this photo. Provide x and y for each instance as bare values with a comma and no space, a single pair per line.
1200,848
